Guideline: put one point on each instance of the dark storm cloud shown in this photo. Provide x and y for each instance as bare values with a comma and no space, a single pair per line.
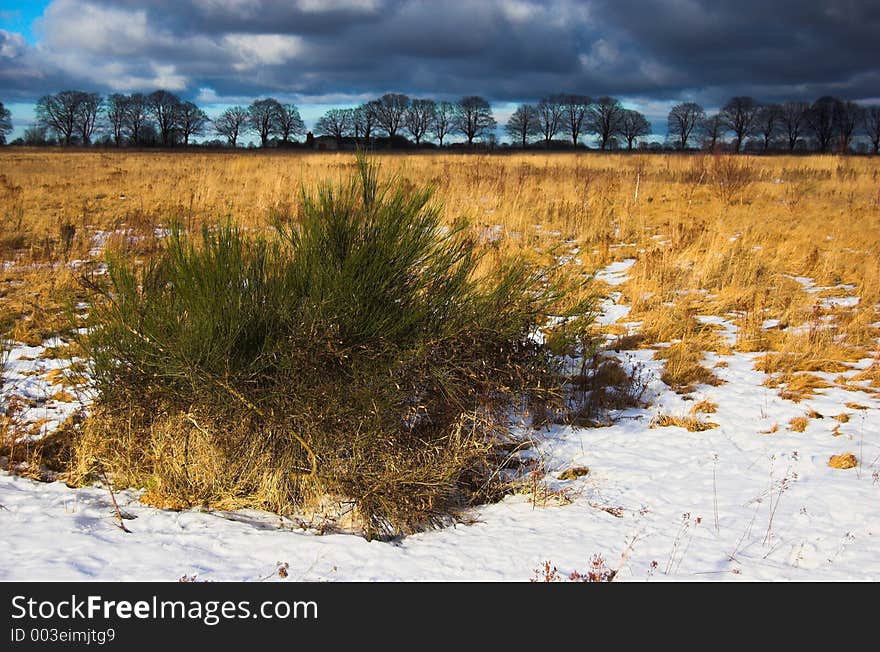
801,47
504,49
260,16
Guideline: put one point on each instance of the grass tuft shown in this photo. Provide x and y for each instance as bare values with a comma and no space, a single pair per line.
683,368
689,423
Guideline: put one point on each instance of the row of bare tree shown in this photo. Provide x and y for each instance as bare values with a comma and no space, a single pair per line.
162,118
827,124
574,116
158,118
395,113
74,117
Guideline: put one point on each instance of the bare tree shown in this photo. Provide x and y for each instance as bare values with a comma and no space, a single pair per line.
605,119
871,120
473,117
390,111
767,124
289,122
87,116
418,118
793,118
351,123
164,107
137,117
444,121
231,123
740,114
263,118
683,120
37,135
116,108
574,111
713,129
191,121
847,118
550,111
523,124
633,125
820,121
336,123
58,113
5,123
364,118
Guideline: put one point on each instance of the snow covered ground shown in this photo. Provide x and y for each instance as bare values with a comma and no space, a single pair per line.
41,383
750,499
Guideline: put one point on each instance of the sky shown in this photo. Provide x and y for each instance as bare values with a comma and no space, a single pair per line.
322,53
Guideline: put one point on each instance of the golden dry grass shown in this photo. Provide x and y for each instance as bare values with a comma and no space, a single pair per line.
690,423
705,407
843,461
683,367
711,235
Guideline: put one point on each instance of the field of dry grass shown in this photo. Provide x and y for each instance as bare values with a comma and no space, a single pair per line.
783,250
711,235
704,262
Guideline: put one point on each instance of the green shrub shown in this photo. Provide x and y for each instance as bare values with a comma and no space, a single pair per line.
352,353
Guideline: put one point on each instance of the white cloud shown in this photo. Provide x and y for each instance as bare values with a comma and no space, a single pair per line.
519,11
11,44
252,50
69,24
207,96
119,78
319,6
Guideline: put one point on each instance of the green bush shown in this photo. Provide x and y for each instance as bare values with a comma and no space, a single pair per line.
354,353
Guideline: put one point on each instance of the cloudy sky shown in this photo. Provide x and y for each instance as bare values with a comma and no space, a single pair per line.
317,53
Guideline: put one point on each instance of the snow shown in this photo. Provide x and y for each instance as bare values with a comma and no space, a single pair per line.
840,302
37,382
726,329
825,524
809,286
749,500
615,273
611,311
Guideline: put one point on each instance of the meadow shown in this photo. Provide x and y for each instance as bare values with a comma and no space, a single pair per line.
762,239
700,257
